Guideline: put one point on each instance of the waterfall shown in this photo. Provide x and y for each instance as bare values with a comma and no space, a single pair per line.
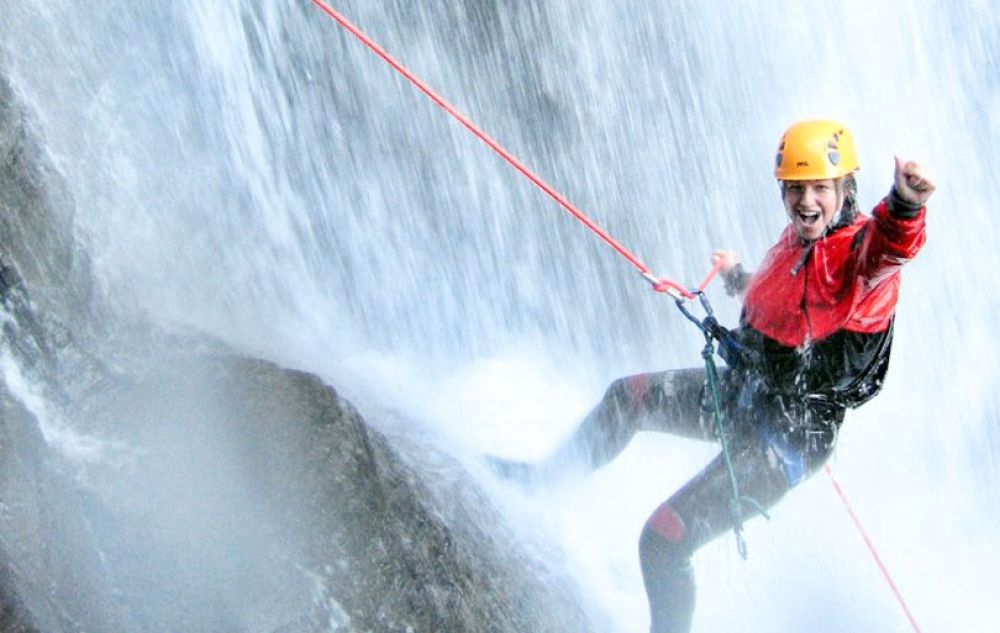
248,170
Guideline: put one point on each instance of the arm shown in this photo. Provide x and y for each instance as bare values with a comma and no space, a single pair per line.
733,274
898,224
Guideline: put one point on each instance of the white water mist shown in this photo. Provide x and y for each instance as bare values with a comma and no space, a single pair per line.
248,169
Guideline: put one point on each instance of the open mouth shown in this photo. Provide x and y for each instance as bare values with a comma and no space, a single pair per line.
808,218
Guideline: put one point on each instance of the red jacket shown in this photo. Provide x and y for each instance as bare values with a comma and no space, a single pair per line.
847,280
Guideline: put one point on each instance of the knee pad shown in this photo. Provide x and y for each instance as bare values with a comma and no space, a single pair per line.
628,394
665,559
662,545
667,523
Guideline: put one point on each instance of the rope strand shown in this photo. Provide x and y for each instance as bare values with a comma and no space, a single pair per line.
871,548
676,290
658,284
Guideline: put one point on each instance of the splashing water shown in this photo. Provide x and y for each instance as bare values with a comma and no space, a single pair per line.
247,169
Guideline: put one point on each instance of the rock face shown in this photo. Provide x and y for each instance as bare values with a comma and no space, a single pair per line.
238,496
193,490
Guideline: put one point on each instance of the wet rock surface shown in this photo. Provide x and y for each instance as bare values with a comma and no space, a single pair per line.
193,489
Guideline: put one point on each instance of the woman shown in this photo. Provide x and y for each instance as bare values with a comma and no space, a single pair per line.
814,336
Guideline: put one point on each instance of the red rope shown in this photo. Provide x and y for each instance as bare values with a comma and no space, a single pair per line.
660,285
708,278
871,548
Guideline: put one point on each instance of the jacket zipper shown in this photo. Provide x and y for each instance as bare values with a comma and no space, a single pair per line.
801,265
805,308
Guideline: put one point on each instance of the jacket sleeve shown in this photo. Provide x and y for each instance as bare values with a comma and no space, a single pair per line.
894,236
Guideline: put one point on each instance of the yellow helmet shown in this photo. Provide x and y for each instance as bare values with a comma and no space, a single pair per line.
815,150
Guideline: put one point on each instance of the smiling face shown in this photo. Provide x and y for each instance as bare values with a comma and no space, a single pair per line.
811,205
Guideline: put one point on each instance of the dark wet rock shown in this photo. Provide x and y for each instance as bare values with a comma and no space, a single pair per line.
36,215
13,618
195,490
286,491
231,494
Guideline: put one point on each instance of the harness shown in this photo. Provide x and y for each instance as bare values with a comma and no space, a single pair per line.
734,354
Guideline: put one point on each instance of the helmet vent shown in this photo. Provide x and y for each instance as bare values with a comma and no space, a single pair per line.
815,150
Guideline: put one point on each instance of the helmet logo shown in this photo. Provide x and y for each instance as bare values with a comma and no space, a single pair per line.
833,155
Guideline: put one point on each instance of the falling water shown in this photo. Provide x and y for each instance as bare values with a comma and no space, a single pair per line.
250,170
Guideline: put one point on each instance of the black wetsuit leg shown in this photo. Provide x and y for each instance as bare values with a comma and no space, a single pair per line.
766,466
766,463
666,401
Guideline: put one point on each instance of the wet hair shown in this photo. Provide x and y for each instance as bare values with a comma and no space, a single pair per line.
850,210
